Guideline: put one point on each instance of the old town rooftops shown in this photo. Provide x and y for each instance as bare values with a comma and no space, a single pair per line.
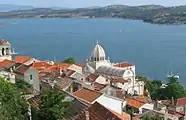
92,77
134,103
123,65
21,59
4,42
6,63
87,94
98,112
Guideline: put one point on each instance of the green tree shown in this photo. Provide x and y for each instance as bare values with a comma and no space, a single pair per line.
174,90
70,60
53,106
152,117
13,106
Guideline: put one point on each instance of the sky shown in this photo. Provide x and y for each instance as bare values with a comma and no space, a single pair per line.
88,3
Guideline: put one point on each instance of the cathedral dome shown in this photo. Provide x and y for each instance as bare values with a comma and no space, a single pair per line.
98,53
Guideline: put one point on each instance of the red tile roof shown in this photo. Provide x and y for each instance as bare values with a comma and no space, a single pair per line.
63,65
4,42
87,94
181,101
141,98
41,65
92,77
98,86
35,102
176,113
70,72
99,112
57,67
80,65
53,68
119,80
21,59
21,69
134,103
123,116
124,64
6,63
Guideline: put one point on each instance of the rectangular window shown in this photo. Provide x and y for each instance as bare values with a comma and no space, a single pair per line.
31,77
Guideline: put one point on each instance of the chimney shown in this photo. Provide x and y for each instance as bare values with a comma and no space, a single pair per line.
184,111
86,115
122,108
172,101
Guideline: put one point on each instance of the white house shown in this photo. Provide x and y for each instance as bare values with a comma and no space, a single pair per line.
112,103
9,76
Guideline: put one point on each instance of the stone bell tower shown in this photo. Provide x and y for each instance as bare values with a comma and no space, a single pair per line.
5,50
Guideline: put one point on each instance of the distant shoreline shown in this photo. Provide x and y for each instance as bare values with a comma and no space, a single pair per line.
154,14
88,18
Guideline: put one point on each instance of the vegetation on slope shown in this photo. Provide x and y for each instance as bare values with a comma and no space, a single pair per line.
149,13
160,91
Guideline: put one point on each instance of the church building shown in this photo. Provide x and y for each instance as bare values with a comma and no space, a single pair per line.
121,75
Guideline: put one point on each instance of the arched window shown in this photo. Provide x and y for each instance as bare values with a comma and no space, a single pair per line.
97,58
3,51
7,51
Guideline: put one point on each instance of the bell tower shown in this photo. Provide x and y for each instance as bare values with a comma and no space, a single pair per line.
5,50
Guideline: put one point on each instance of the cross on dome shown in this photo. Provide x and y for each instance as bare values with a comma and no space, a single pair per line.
97,42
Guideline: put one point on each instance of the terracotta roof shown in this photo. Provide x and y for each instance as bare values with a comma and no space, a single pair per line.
40,66
57,67
63,65
141,98
181,101
87,94
21,59
6,63
35,101
176,113
80,65
98,112
98,86
123,116
134,103
4,42
119,80
53,68
92,77
124,64
70,72
21,69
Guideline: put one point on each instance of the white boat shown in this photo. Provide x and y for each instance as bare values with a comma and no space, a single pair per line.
13,52
173,76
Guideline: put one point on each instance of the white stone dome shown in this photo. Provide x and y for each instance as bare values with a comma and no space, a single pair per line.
98,53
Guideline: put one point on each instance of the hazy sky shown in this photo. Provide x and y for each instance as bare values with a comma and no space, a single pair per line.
85,3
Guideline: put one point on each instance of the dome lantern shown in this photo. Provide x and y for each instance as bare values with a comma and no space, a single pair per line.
98,53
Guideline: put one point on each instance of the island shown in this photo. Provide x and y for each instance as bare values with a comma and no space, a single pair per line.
155,14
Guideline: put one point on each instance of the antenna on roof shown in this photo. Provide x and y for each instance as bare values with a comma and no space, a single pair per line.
54,58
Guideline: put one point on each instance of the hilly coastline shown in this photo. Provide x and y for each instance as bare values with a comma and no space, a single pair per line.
155,14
